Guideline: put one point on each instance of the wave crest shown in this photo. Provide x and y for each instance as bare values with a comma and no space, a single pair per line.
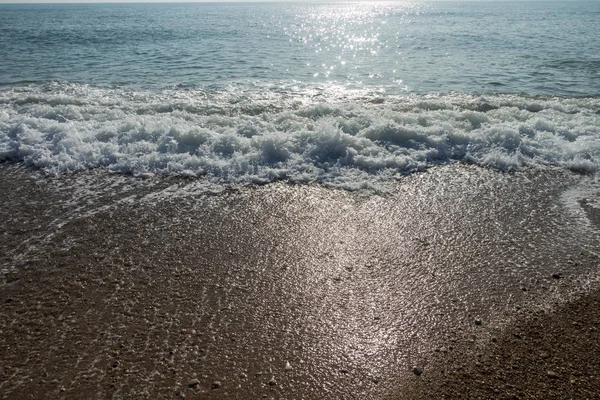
347,140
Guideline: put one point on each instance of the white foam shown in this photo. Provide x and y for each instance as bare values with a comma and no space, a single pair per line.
342,139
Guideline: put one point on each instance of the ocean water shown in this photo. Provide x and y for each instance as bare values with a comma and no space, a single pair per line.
350,95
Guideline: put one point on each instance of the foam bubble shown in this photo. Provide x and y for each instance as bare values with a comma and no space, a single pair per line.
343,140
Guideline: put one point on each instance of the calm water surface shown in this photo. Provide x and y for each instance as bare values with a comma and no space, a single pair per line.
521,47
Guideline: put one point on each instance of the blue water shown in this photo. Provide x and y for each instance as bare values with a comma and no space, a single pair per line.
522,47
336,93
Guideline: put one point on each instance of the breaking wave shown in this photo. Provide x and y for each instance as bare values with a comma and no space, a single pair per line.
338,138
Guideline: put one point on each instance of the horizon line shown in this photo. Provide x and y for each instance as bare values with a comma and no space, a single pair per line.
277,1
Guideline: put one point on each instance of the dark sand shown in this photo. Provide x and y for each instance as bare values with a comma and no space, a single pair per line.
540,355
113,287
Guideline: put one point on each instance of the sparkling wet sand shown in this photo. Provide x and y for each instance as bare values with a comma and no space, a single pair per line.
114,287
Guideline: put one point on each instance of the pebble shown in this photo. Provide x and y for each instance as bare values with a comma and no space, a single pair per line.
272,381
288,366
216,384
556,276
417,371
243,375
193,383
478,321
552,374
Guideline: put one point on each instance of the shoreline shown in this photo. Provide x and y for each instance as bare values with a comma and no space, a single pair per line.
127,289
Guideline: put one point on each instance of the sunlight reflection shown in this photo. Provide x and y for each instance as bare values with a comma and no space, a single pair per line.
350,32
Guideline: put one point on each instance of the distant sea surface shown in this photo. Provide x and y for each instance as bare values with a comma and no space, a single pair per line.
346,94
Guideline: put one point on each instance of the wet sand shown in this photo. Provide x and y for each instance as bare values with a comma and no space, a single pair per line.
540,355
114,287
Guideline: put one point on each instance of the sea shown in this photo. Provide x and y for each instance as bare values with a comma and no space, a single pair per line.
349,95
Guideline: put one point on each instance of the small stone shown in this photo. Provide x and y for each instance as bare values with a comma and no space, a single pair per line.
552,374
478,321
417,371
193,383
216,385
288,366
243,375
556,276
272,381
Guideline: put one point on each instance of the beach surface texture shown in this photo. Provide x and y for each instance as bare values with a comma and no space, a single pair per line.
464,282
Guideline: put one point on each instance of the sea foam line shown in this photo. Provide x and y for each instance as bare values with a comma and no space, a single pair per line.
350,140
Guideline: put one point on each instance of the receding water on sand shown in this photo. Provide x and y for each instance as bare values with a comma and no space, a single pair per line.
154,287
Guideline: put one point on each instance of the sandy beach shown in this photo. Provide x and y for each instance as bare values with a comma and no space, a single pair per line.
462,283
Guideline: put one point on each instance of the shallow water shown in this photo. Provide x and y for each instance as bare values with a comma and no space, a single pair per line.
137,287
